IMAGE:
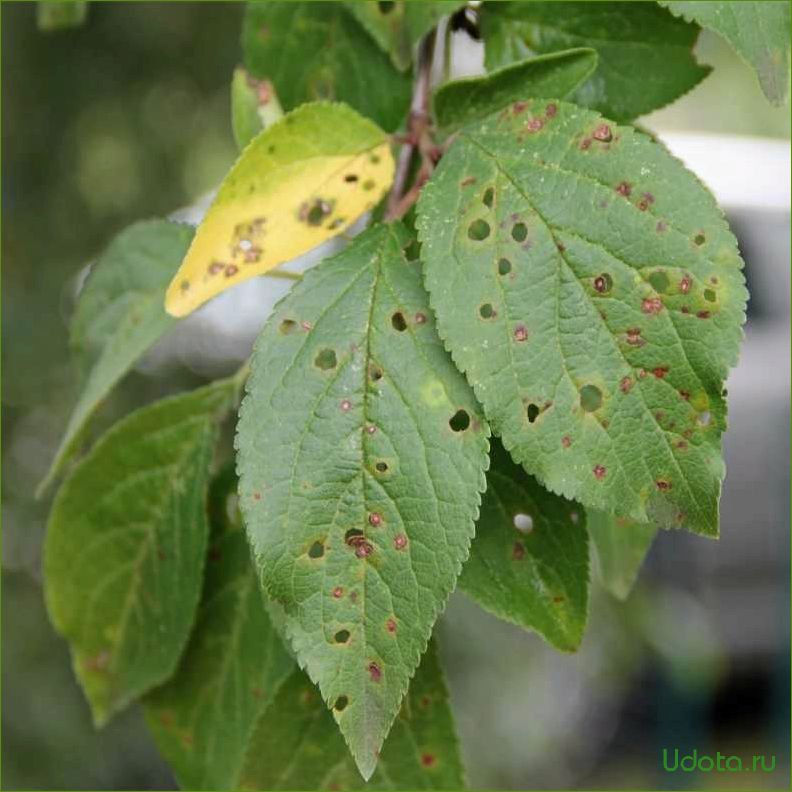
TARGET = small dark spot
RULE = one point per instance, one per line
(316, 550)
(519, 232)
(326, 360)
(381, 467)
(374, 159)
(428, 760)
(459, 421)
(390, 626)
(663, 485)
(532, 411)
(519, 107)
(703, 314)
(559, 599)
(685, 395)
(504, 266)
(287, 326)
(590, 398)
(699, 239)
(369, 184)
(551, 110)
(257, 496)
(660, 227)
(184, 285)
(478, 230)
(685, 309)
(486, 311)
(625, 385)
(534, 125)
(560, 246)
(599, 472)
(624, 188)
(602, 133)
(467, 181)
(341, 637)
(346, 405)
(400, 542)
(684, 285)
(231, 270)
(375, 672)
(350, 178)
(399, 322)
(314, 213)
(652, 305)
(488, 197)
(660, 371)
(338, 592)
(566, 441)
(518, 551)
(375, 519)
(375, 372)
(681, 445)
(340, 703)
(585, 144)
(215, 267)
(603, 283)
(646, 201)
(709, 295)
(520, 333)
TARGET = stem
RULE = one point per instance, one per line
(416, 123)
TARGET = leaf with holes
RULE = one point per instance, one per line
(307, 178)
(529, 562)
(758, 32)
(590, 289)
(123, 558)
(119, 315)
(398, 26)
(362, 455)
(203, 717)
(557, 75)
(621, 546)
(254, 106)
(645, 53)
(314, 51)
(296, 746)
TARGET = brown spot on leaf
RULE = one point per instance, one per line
(346, 405)
(703, 314)
(375, 672)
(428, 760)
(634, 337)
(660, 371)
(660, 227)
(338, 592)
(519, 107)
(652, 305)
(566, 441)
(375, 519)
(400, 542)
(624, 188)
(625, 384)
(390, 626)
(599, 472)
(663, 485)
(602, 133)
(215, 267)
(534, 125)
(518, 551)
(520, 333)
(467, 181)
(420, 318)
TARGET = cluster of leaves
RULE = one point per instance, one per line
(530, 359)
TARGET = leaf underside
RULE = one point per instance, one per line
(300, 182)
(118, 316)
(125, 546)
(529, 562)
(591, 291)
(313, 52)
(645, 53)
(361, 456)
(758, 31)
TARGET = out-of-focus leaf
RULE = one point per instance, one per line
(254, 106)
(60, 14)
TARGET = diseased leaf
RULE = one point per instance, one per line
(123, 557)
(119, 315)
(590, 289)
(60, 15)
(305, 179)
(296, 744)
(313, 51)
(645, 53)
(398, 26)
(529, 562)
(621, 546)
(361, 456)
(254, 106)
(556, 75)
(758, 31)
(203, 717)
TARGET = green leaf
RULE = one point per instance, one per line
(551, 76)
(398, 26)
(312, 51)
(302, 181)
(758, 32)
(296, 745)
(123, 557)
(621, 546)
(60, 15)
(645, 53)
(203, 717)
(254, 106)
(119, 315)
(590, 289)
(361, 456)
(529, 562)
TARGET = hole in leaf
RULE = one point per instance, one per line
(699, 239)
(523, 522)
(460, 421)
(532, 412)
(341, 637)
(504, 266)
(381, 467)
(413, 250)
(603, 283)
(704, 418)
(375, 372)
(287, 326)
(710, 295)
(519, 232)
(590, 398)
(352, 535)
(478, 230)
(341, 703)
(398, 321)
(489, 195)
(659, 282)
(316, 550)
(487, 311)
(326, 360)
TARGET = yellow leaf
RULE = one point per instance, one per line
(301, 181)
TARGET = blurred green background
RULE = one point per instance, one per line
(127, 118)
